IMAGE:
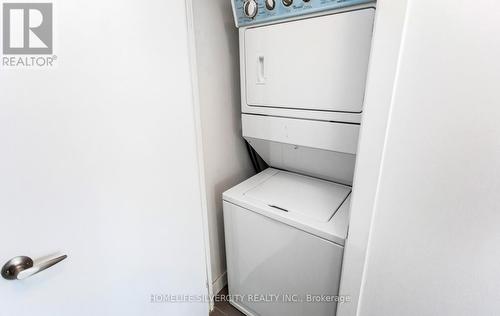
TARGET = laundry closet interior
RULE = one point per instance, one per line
(281, 99)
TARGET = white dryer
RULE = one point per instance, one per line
(304, 65)
(303, 75)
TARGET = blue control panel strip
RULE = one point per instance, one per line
(280, 11)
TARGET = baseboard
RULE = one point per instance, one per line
(240, 307)
(220, 283)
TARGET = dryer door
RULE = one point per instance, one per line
(318, 63)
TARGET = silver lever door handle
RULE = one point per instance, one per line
(20, 268)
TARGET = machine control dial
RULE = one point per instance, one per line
(270, 4)
(250, 8)
(287, 3)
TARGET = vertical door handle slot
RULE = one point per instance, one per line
(261, 70)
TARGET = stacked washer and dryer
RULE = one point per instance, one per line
(303, 74)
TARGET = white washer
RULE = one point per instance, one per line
(285, 237)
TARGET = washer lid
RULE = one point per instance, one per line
(312, 198)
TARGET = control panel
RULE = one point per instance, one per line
(249, 12)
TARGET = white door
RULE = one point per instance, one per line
(316, 64)
(98, 162)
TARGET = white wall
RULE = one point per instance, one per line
(225, 159)
(433, 245)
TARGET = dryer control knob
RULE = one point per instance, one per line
(270, 4)
(287, 3)
(250, 8)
